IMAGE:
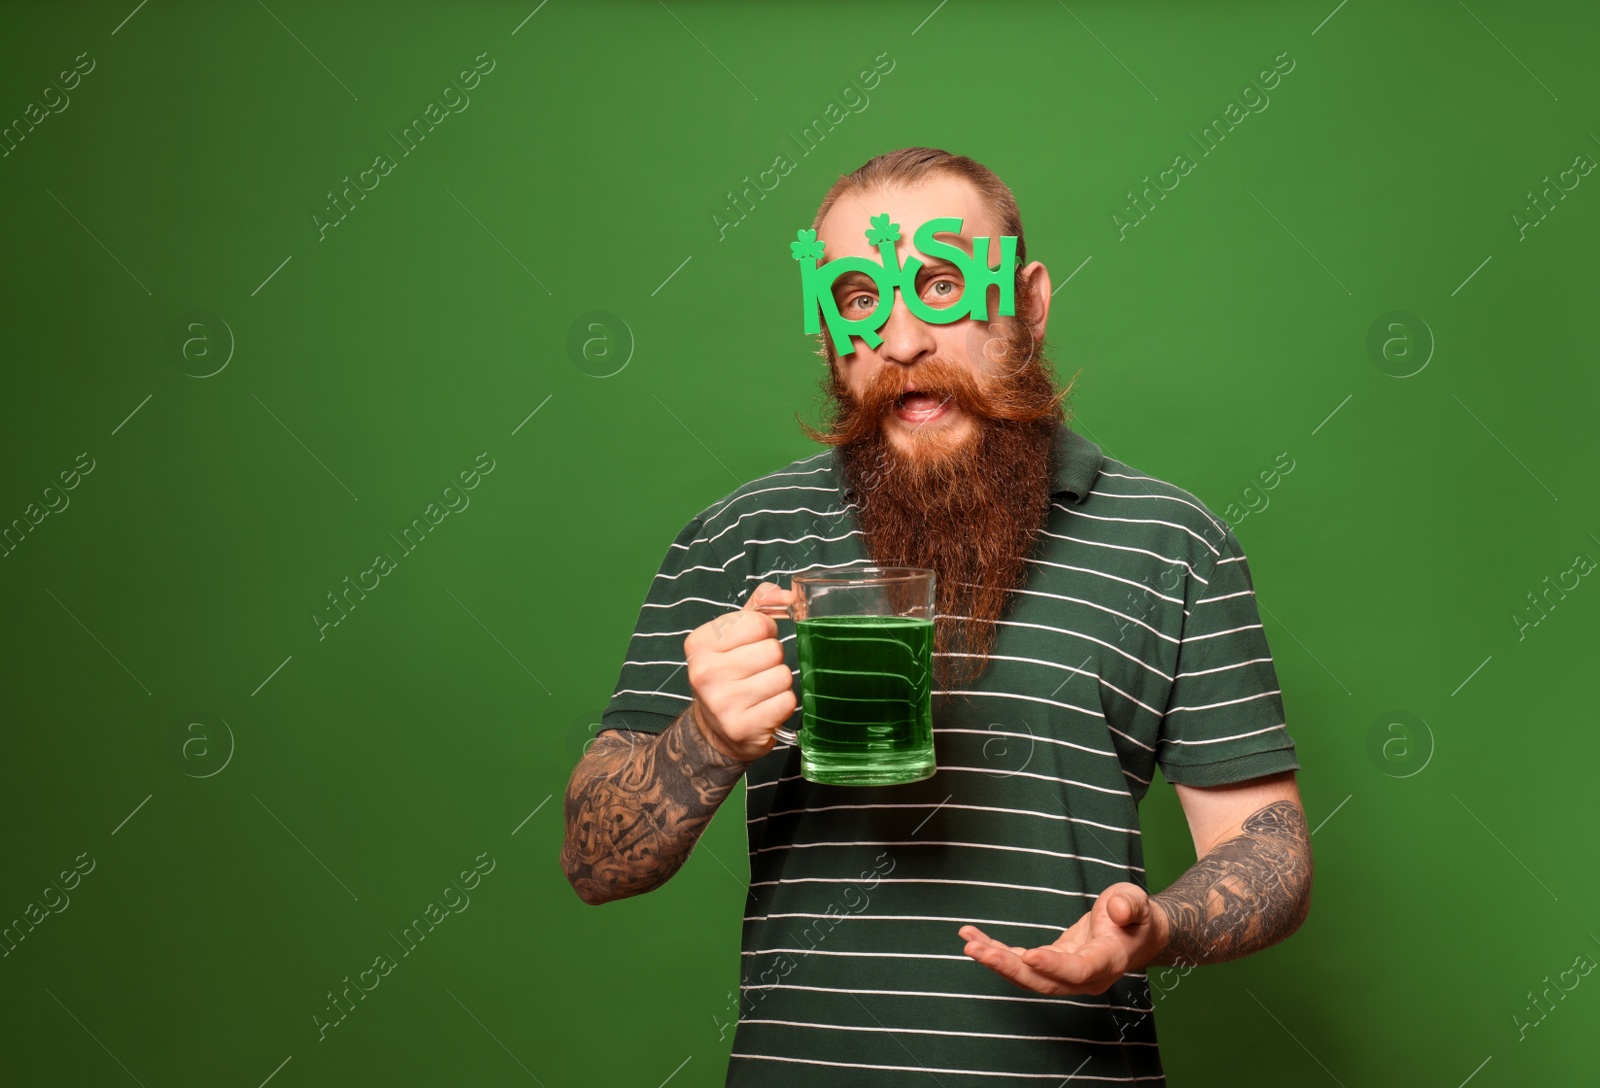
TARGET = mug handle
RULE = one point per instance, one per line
(781, 612)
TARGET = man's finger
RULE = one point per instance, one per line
(1006, 963)
(767, 593)
(973, 933)
(1126, 910)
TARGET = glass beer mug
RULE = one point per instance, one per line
(864, 637)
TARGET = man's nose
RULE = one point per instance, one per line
(907, 339)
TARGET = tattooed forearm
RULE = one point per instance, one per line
(635, 808)
(1245, 894)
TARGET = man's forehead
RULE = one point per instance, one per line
(844, 228)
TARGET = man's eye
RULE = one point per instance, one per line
(868, 303)
(944, 291)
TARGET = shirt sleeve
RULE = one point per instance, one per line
(692, 587)
(1224, 719)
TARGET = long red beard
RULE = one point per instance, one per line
(972, 514)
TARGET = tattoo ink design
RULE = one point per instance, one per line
(1244, 895)
(635, 807)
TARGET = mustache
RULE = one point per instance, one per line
(1017, 398)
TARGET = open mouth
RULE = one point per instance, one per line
(920, 407)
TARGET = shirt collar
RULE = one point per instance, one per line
(1077, 464)
(1076, 459)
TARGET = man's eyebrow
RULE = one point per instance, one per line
(929, 265)
(851, 279)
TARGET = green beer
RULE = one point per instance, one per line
(866, 699)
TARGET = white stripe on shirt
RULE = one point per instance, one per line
(1126, 548)
(924, 880)
(1074, 1075)
(1226, 702)
(1140, 521)
(939, 993)
(937, 1031)
(1220, 740)
(941, 804)
(1119, 866)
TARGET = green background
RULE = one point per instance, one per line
(438, 723)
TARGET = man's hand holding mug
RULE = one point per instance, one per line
(743, 689)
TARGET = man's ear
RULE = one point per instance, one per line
(1036, 281)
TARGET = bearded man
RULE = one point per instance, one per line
(1092, 623)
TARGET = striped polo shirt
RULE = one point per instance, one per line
(1135, 642)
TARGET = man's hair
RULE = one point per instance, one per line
(910, 165)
